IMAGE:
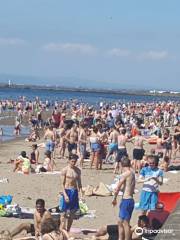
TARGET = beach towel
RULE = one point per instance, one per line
(25, 238)
(174, 168)
(169, 199)
(5, 199)
(158, 216)
(49, 173)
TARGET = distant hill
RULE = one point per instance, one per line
(74, 82)
(65, 82)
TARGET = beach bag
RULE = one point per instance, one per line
(102, 190)
(4, 213)
(83, 207)
(5, 199)
(88, 191)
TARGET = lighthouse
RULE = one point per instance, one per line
(9, 83)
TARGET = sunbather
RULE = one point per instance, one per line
(40, 215)
(50, 231)
(22, 163)
(48, 163)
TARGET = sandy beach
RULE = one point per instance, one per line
(26, 189)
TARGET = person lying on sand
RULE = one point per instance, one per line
(40, 215)
(112, 230)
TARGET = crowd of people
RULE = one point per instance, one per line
(78, 131)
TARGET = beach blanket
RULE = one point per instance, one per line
(50, 173)
(174, 168)
(4, 180)
(28, 213)
(82, 230)
(26, 238)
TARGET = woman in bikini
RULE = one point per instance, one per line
(95, 148)
(50, 231)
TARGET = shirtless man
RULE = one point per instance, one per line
(113, 145)
(127, 185)
(39, 216)
(138, 151)
(71, 184)
(176, 140)
(82, 138)
(49, 136)
(62, 143)
(159, 146)
(122, 151)
(72, 139)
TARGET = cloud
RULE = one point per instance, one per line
(12, 42)
(148, 55)
(85, 49)
(154, 55)
(119, 52)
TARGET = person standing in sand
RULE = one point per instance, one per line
(71, 184)
(82, 138)
(122, 151)
(138, 151)
(17, 127)
(127, 185)
(95, 146)
(49, 136)
(113, 142)
(151, 177)
(72, 139)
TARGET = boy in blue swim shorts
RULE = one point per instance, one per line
(126, 185)
(152, 177)
(71, 185)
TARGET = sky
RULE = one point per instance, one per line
(92, 43)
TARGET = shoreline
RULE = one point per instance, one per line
(124, 92)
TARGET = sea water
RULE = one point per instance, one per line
(8, 132)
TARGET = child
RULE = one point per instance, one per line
(144, 161)
(165, 164)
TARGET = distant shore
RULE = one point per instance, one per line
(93, 90)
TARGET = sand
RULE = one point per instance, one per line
(26, 189)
